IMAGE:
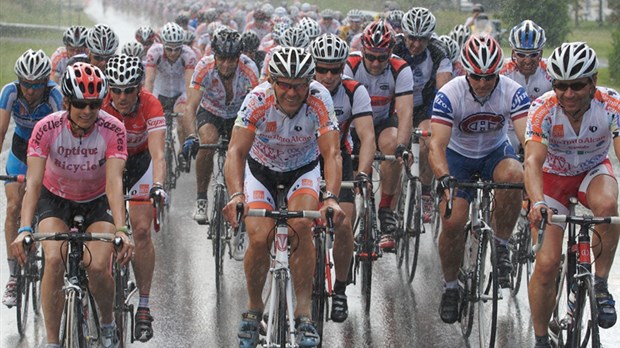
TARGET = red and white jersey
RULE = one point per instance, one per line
(170, 79)
(570, 153)
(59, 59)
(396, 80)
(351, 100)
(478, 127)
(207, 79)
(148, 117)
(75, 166)
(536, 85)
(285, 143)
(262, 29)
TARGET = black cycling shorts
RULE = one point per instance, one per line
(50, 205)
(224, 126)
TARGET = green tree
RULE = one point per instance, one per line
(552, 15)
(614, 56)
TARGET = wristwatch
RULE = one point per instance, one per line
(328, 195)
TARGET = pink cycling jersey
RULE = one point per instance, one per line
(75, 166)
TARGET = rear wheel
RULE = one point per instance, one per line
(319, 293)
(488, 291)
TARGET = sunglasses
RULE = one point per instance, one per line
(100, 58)
(575, 86)
(173, 49)
(298, 87)
(28, 85)
(528, 55)
(126, 90)
(381, 58)
(477, 77)
(81, 104)
(334, 71)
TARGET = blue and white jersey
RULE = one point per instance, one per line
(25, 118)
(479, 128)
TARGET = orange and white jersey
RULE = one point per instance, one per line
(284, 143)
(570, 153)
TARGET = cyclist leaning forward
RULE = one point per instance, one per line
(389, 82)
(28, 99)
(219, 84)
(569, 132)
(469, 127)
(352, 106)
(284, 125)
(75, 166)
(145, 170)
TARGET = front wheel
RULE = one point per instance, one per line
(22, 298)
(584, 331)
(488, 291)
(319, 293)
(468, 282)
(218, 227)
(520, 245)
(414, 228)
(435, 215)
(72, 330)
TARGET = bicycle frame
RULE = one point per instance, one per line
(170, 155)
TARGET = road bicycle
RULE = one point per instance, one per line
(522, 255)
(575, 316)
(478, 275)
(173, 170)
(410, 208)
(280, 320)
(28, 277)
(80, 326)
(219, 229)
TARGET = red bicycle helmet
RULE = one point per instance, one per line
(378, 35)
(482, 55)
(84, 81)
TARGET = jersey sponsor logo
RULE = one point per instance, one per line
(384, 87)
(75, 167)
(306, 182)
(558, 130)
(76, 151)
(258, 195)
(144, 188)
(271, 126)
(442, 103)
(46, 127)
(281, 242)
(380, 101)
(593, 129)
(156, 122)
(520, 98)
(482, 123)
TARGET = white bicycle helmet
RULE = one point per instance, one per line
(395, 18)
(571, 61)
(355, 15)
(172, 34)
(329, 48)
(312, 27)
(452, 47)
(295, 37)
(146, 35)
(278, 30)
(75, 36)
(102, 40)
(133, 49)
(123, 70)
(460, 34)
(33, 65)
(482, 55)
(419, 22)
(291, 63)
(527, 36)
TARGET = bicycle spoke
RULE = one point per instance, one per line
(488, 290)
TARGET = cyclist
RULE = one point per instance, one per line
(27, 100)
(526, 65)
(431, 69)
(260, 23)
(219, 85)
(282, 127)
(291, 37)
(133, 49)
(328, 24)
(249, 43)
(102, 43)
(354, 21)
(569, 133)
(146, 36)
(74, 41)
(61, 184)
(453, 54)
(145, 170)
(389, 82)
(460, 34)
(311, 26)
(469, 137)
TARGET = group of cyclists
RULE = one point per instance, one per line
(297, 93)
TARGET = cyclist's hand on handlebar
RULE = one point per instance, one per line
(230, 211)
(535, 215)
(443, 185)
(18, 249)
(126, 252)
(400, 149)
(361, 176)
(338, 216)
(158, 194)
(190, 146)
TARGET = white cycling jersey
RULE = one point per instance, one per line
(207, 79)
(396, 80)
(284, 143)
(351, 100)
(422, 73)
(570, 153)
(170, 79)
(479, 128)
(536, 85)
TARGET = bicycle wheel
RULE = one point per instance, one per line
(488, 291)
(122, 311)
(435, 216)
(36, 270)
(90, 320)
(22, 298)
(468, 282)
(169, 157)
(218, 233)
(280, 322)
(319, 293)
(366, 258)
(584, 329)
(414, 227)
(557, 322)
(520, 246)
(72, 330)
(402, 242)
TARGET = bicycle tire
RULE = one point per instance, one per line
(72, 336)
(468, 282)
(518, 244)
(401, 240)
(488, 291)
(90, 320)
(319, 293)
(22, 298)
(561, 304)
(368, 248)
(218, 234)
(37, 274)
(435, 215)
(170, 171)
(121, 310)
(281, 322)
(585, 317)
(413, 234)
